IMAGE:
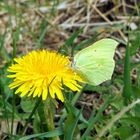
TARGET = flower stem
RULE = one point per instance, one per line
(48, 109)
(32, 113)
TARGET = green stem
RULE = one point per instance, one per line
(50, 117)
(127, 90)
(4, 103)
(13, 113)
(42, 117)
(32, 113)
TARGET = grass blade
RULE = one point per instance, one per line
(94, 119)
(49, 134)
(70, 125)
(127, 90)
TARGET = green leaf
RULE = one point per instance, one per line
(136, 92)
(125, 132)
(2, 39)
(136, 110)
(36, 123)
(117, 102)
(70, 125)
(15, 36)
(70, 41)
(10, 9)
(49, 134)
(132, 120)
(73, 115)
(86, 42)
(127, 90)
(42, 117)
(73, 110)
(43, 30)
(27, 104)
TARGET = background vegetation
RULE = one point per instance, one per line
(109, 111)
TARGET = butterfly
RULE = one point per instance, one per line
(95, 64)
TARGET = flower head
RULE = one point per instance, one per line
(40, 73)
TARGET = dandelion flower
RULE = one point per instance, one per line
(40, 73)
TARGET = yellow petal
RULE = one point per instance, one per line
(44, 93)
(52, 92)
(59, 94)
(36, 92)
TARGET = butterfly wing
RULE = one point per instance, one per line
(95, 63)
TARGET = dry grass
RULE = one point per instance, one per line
(61, 20)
